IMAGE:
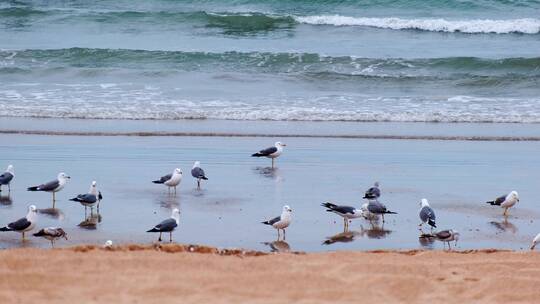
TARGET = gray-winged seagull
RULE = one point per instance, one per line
(24, 224)
(281, 222)
(426, 214)
(376, 207)
(167, 225)
(198, 173)
(505, 201)
(89, 199)
(346, 212)
(170, 180)
(272, 152)
(6, 177)
(52, 186)
(51, 234)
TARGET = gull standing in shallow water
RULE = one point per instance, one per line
(52, 186)
(446, 236)
(272, 152)
(167, 225)
(506, 201)
(376, 207)
(281, 222)
(373, 192)
(89, 199)
(51, 234)
(346, 212)
(535, 241)
(198, 173)
(24, 224)
(170, 180)
(6, 177)
(427, 215)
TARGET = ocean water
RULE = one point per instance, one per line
(400, 61)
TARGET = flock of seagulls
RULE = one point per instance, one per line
(371, 210)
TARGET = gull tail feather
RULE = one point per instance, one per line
(5, 229)
(266, 223)
(432, 223)
(204, 177)
(157, 182)
(35, 188)
(492, 203)
(153, 230)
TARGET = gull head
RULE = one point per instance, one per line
(424, 202)
(94, 183)
(62, 176)
(197, 164)
(514, 195)
(376, 184)
(286, 208)
(279, 144)
(108, 244)
(178, 171)
(10, 169)
(176, 215)
(455, 233)
(32, 208)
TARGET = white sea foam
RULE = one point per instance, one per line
(525, 25)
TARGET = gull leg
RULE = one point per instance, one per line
(170, 236)
(199, 184)
(52, 243)
(174, 190)
(85, 211)
(159, 239)
(505, 211)
(278, 235)
(284, 236)
(383, 217)
(272, 163)
(23, 235)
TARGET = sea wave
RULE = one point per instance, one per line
(521, 26)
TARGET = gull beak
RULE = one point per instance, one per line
(68, 177)
(283, 145)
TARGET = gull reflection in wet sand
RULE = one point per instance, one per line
(278, 246)
(375, 232)
(5, 200)
(426, 241)
(52, 212)
(90, 222)
(268, 172)
(505, 226)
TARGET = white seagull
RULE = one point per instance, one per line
(272, 152)
(446, 236)
(168, 225)
(426, 214)
(373, 192)
(51, 234)
(535, 241)
(52, 186)
(281, 222)
(198, 173)
(89, 199)
(506, 201)
(24, 224)
(346, 212)
(6, 177)
(171, 180)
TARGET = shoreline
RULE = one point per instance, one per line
(157, 273)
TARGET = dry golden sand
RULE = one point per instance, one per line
(155, 274)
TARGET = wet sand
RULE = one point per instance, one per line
(146, 274)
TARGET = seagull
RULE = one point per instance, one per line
(52, 186)
(376, 207)
(535, 241)
(447, 236)
(108, 244)
(506, 201)
(167, 225)
(281, 222)
(368, 215)
(6, 177)
(51, 234)
(171, 180)
(198, 173)
(272, 152)
(24, 224)
(346, 212)
(373, 192)
(89, 199)
(427, 215)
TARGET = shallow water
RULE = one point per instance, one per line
(456, 176)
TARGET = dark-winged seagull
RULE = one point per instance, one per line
(6, 177)
(52, 186)
(506, 201)
(167, 225)
(272, 152)
(368, 215)
(24, 224)
(281, 222)
(446, 236)
(535, 241)
(89, 199)
(376, 207)
(51, 234)
(373, 192)
(427, 215)
(198, 173)
(346, 212)
(170, 180)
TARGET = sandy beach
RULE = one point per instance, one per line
(148, 274)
